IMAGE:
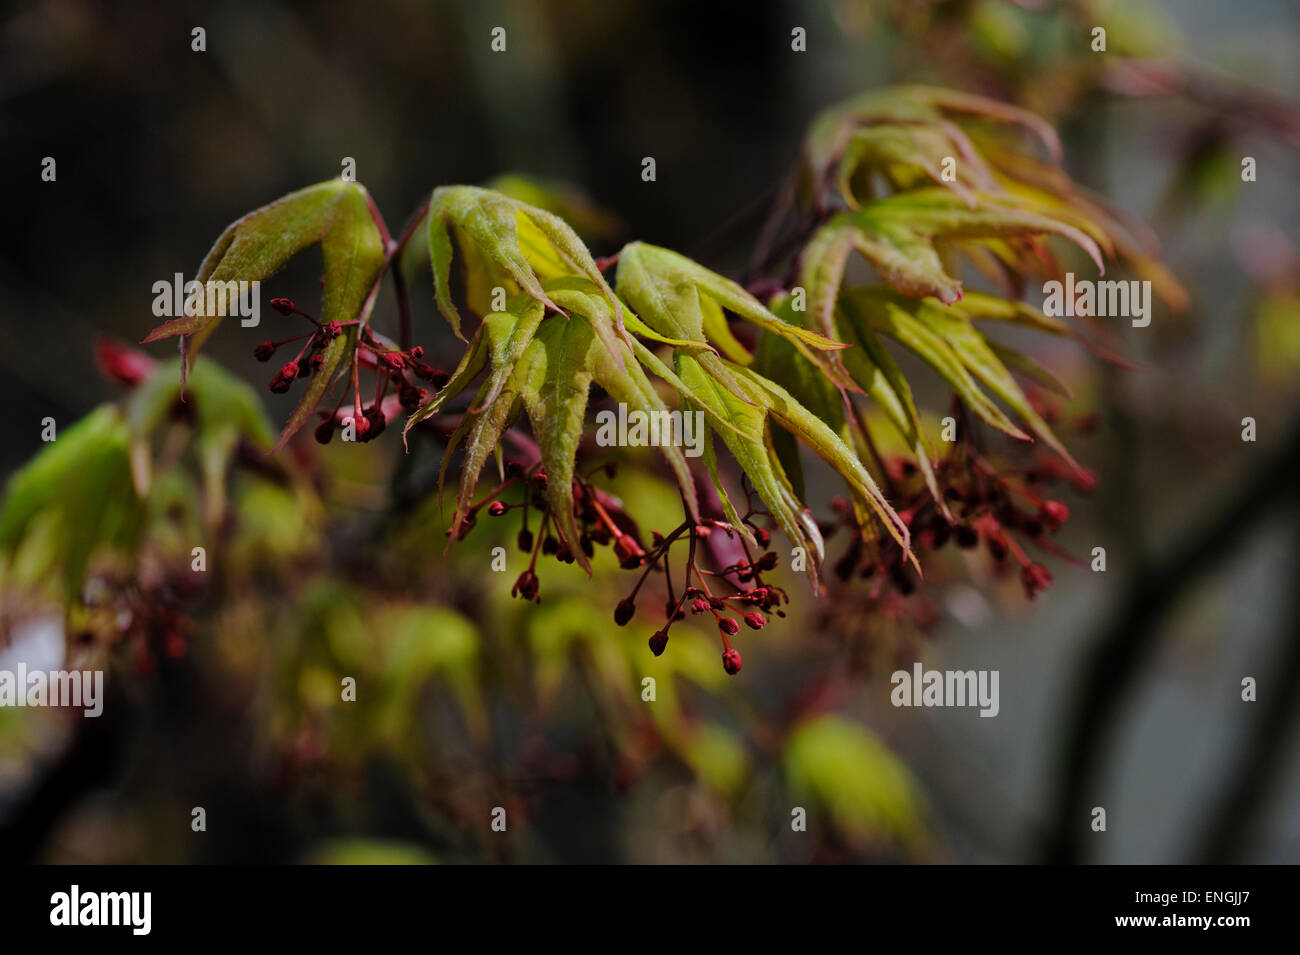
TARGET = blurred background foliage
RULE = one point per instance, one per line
(326, 563)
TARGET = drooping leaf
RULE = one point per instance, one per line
(522, 244)
(976, 354)
(683, 300)
(78, 497)
(979, 307)
(627, 381)
(810, 429)
(777, 360)
(335, 214)
(755, 457)
(471, 363)
(1021, 363)
(898, 237)
(946, 339)
(822, 266)
(227, 411)
(558, 369)
(710, 456)
(833, 129)
(907, 154)
(769, 404)
(876, 371)
(545, 366)
(877, 311)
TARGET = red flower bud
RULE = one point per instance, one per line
(377, 422)
(124, 365)
(284, 378)
(1035, 577)
(417, 352)
(393, 360)
(497, 508)
(628, 552)
(755, 620)
(767, 561)
(525, 540)
(526, 586)
(699, 606)
(325, 431)
(284, 306)
(624, 611)
(1054, 514)
(658, 641)
(731, 661)
(411, 398)
(1085, 481)
(264, 351)
(435, 376)
(728, 626)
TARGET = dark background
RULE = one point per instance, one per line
(159, 147)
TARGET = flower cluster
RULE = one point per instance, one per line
(400, 374)
(601, 519)
(735, 592)
(738, 584)
(1000, 508)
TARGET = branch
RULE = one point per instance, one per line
(1262, 762)
(1129, 640)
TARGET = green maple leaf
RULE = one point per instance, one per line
(72, 500)
(503, 242)
(226, 412)
(909, 154)
(924, 107)
(748, 434)
(337, 215)
(899, 237)
(685, 304)
(543, 366)
(908, 135)
(945, 338)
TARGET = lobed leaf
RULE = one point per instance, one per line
(522, 243)
(336, 214)
(946, 339)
